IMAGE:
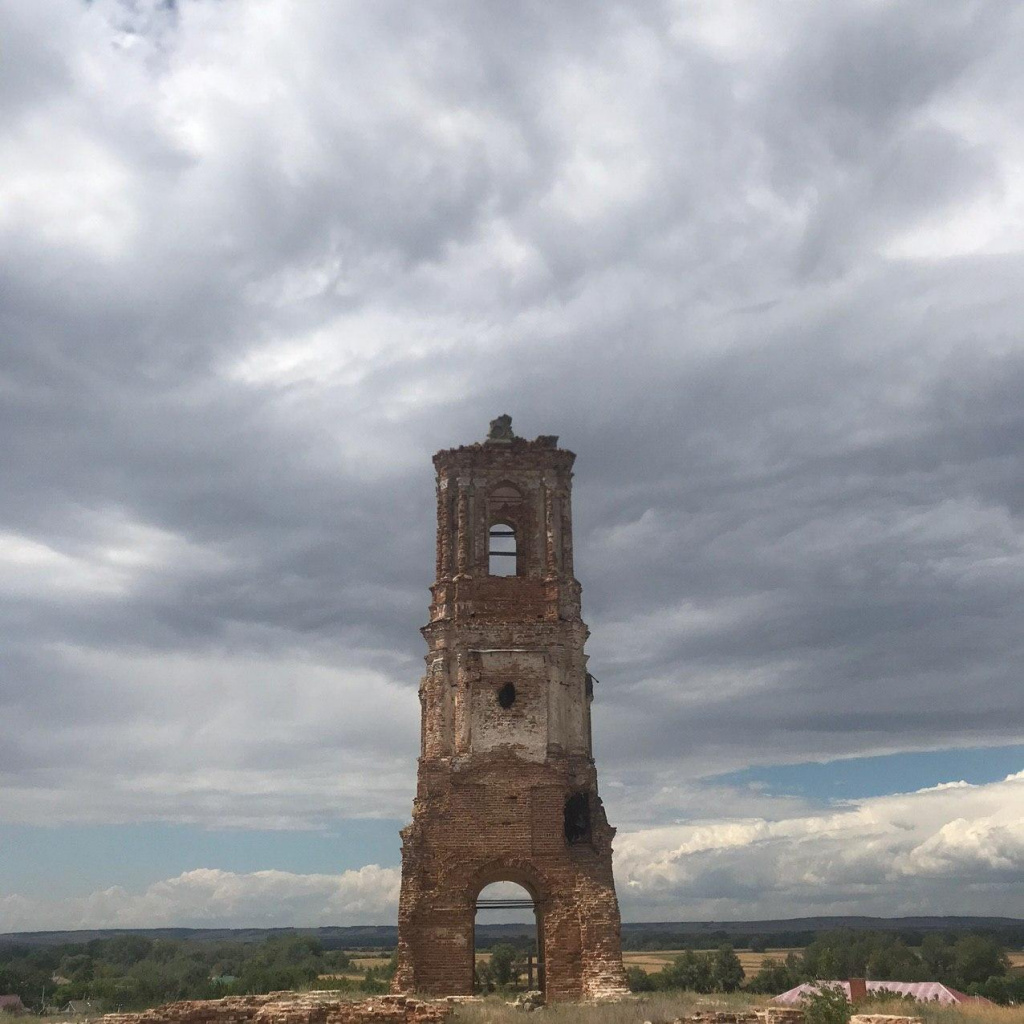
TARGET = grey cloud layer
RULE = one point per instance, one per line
(758, 265)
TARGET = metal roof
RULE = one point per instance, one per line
(922, 991)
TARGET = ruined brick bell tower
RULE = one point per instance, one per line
(507, 789)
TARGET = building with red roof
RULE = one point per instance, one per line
(857, 989)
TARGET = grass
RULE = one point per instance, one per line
(657, 1007)
(932, 1013)
(662, 1007)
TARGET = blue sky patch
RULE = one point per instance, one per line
(71, 860)
(861, 777)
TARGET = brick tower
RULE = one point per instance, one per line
(506, 788)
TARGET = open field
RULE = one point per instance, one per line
(359, 963)
(363, 960)
(655, 959)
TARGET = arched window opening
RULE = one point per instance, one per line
(503, 560)
(577, 818)
(508, 945)
(507, 695)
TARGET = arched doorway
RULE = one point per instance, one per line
(508, 938)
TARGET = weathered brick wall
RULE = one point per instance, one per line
(494, 779)
(289, 1008)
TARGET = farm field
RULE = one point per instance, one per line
(360, 961)
(652, 960)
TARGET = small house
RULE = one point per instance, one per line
(857, 989)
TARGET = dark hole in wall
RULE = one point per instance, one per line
(577, 818)
(507, 696)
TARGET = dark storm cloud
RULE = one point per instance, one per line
(758, 265)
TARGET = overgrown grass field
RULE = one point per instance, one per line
(656, 1007)
(661, 1008)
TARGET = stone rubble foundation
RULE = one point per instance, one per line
(883, 1018)
(328, 1008)
(289, 1008)
(782, 1015)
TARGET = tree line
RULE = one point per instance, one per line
(973, 963)
(133, 972)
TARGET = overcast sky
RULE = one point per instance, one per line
(759, 264)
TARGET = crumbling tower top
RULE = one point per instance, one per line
(502, 448)
(504, 538)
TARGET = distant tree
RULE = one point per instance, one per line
(503, 959)
(891, 960)
(758, 944)
(976, 958)
(829, 964)
(828, 1005)
(373, 983)
(690, 971)
(937, 958)
(773, 977)
(639, 980)
(1006, 989)
(726, 969)
(337, 960)
(76, 967)
(125, 949)
(483, 979)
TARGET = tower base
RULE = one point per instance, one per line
(494, 824)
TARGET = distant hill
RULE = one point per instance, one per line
(797, 931)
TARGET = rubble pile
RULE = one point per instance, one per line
(771, 1015)
(781, 1015)
(720, 1017)
(289, 1008)
(883, 1018)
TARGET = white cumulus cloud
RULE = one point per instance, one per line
(212, 898)
(889, 855)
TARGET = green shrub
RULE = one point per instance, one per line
(639, 980)
(828, 1005)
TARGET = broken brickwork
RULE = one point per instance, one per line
(288, 1008)
(507, 789)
